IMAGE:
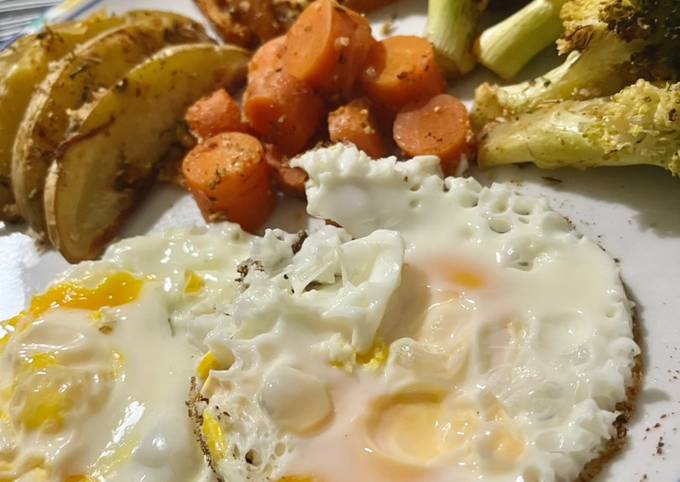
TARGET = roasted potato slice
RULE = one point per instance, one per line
(18, 85)
(75, 81)
(106, 167)
(13, 53)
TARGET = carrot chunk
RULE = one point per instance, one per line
(356, 123)
(267, 59)
(400, 70)
(229, 178)
(327, 46)
(213, 114)
(283, 110)
(439, 126)
(288, 180)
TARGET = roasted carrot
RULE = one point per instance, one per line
(327, 46)
(400, 70)
(439, 126)
(283, 110)
(357, 123)
(353, 57)
(288, 180)
(214, 114)
(229, 179)
(267, 59)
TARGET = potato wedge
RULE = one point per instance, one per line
(103, 170)
(74, 82)
(13, 53)
(18, 85)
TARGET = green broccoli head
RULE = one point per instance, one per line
(643, 19)
(639, 125)
(611, 43)
(650, 20)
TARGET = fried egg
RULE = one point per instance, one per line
(95, 373)
(448, 331)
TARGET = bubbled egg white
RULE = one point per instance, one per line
(449, 332)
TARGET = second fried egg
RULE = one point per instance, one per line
(452, 332)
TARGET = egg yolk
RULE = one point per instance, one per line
(418, 429)
(193, 283)
(459, 275)
(375, 357)
(46, 403)
(45, 391)
(467, 279)
(115, 290)
(214, 436)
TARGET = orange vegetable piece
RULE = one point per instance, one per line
(213, 114)
(356, 123)
(439, 126)
(400, 70)
(288, 180)
(267, 59)
(283, 110)
(229, 178)
(327, 46)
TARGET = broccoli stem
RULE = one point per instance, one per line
(451, 28)
(508, 46)
(599, 70)
(638, 125)
(550, 138)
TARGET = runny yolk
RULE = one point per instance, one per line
(116, 289)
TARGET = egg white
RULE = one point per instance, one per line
(446, 332)
(499, 352)
(99, 393)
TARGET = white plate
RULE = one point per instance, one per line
(633, 213)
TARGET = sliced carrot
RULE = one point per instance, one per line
(365, 6)
(353, 57)
(283, 110)
(439, 126)
(213, 114)
(230, 179)
(288, 180)
(327, 46)
(267, 59)
(357, 123)
(400, 70)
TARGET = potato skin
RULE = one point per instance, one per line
(101, 172)
(59, 101)
(29, 60)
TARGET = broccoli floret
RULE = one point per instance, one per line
(509, 45)
(639, 125)
(452, 28)
(611, 43)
